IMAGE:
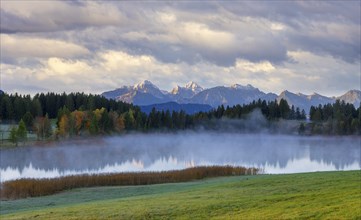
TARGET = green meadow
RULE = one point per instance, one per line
(319, 195)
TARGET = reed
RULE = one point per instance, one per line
(23, 188)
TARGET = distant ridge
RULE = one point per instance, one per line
(146, 93)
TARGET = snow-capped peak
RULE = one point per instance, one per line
(145, 84)
(238, 86)
(194, 87)
(176, 90)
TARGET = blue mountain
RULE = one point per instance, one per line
(146, 93)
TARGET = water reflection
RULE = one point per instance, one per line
(273, 153)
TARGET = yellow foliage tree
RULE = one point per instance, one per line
(120, 124)
(63, 125)
(79, 119)
(98, 113)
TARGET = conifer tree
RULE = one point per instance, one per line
(22, 132)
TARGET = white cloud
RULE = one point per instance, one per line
(320, 73)
(264, 66)
(201, 35)
(21, 46)
(111, 69)
(133, 68)
(66, 67)
(167, 17)
(119, 60)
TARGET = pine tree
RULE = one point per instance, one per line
(303, 114)
(301, 129)
(14, 136)
(36, 109)
(284, 109)
(93, 128)
(47, 127)
(29, 120)
(6, 110)
(22, 132)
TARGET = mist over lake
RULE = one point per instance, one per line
(159, 152)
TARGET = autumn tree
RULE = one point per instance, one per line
(63, 125)
(120, 124)
(79, 118)
(43, 127)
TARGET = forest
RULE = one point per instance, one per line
(64, 115)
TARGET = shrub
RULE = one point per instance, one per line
(23, 188)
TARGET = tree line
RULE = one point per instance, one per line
(79, 114)
(15, 106)
(38, 112)
(271, 110)
(337, 118)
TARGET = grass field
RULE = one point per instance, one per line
(322, 195)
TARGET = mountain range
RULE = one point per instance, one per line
(146, 93)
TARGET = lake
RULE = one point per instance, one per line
(158, 152)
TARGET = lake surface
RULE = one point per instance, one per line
(156, 152)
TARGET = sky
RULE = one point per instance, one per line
(97, 46)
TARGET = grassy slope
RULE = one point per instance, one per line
(312, 195)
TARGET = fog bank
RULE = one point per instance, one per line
(154, 152)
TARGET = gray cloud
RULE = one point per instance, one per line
(309, 24)
(197, 40)
(253, 40)
(45, 16)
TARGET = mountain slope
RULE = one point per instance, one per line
(304, 101)
(113, 94)
(236, 94)
(352, 97)
(143, 93)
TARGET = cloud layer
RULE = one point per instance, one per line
(97, 46)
